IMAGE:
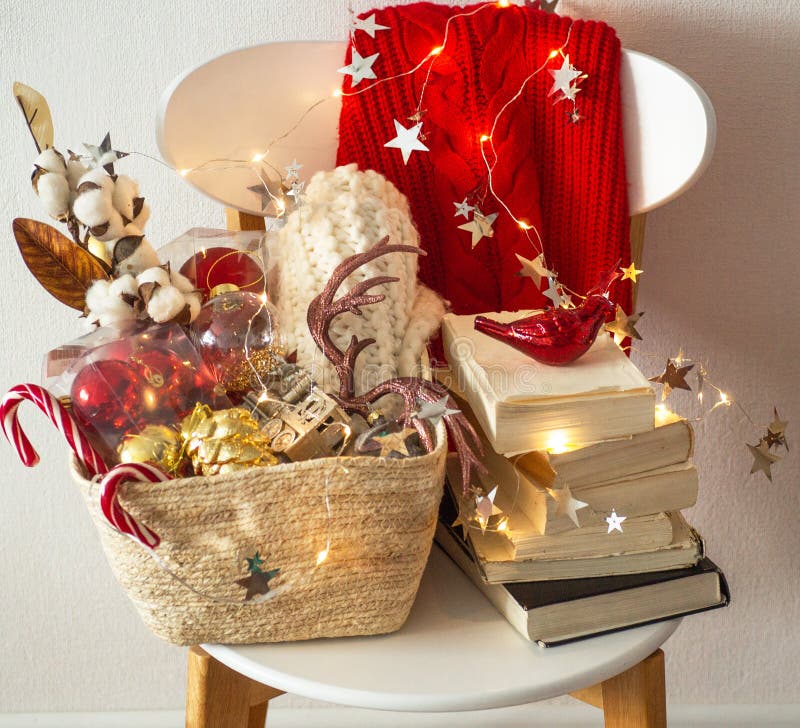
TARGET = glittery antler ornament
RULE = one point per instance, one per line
(414, 390)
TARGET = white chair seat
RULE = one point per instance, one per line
(456, 652)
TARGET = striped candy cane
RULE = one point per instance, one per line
(115, 514)
(58, 415)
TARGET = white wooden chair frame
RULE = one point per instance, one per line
(224, 109)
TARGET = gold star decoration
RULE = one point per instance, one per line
(776, 431)
(534, 269)
(567, 504)
(391, 442)
(480, 226)
(763, 459)
(624, 326)
(630, 273)
(673, 377)
(464, 523)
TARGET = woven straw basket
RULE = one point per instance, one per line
(380, 529)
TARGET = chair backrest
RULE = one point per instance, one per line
(234, 106)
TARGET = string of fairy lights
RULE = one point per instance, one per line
(484, 514)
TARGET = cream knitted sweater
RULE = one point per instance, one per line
(344, 212)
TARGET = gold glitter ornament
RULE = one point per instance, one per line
(157, 444)
(224, 441)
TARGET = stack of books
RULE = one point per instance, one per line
(567, 447)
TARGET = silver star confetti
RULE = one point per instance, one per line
(293, 169)
(552, 292)
(574, 116)
(563, 78)
(485, 508)
(407, 140)
(104, 156)
(567, 504)
(368, 25)
(464, 209)
(297, 192)
(270, 191)
(434, 411)
(359, 67)
(615, 522)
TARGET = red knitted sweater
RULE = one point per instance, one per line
(566, 178)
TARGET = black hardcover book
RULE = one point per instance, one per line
(559, 611)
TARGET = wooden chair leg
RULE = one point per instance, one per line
(258, 716)
(218, 697)
(635, 698)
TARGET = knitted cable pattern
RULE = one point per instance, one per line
(567, 179)
(346, 212)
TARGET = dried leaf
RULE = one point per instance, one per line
(37, 115)
(65, 270)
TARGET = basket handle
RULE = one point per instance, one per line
(115, 514)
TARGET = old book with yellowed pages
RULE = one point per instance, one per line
(520, 403)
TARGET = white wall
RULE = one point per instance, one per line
(720, 267)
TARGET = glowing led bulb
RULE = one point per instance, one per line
(524, 225)
(485, 137)
(184, 172)
(337, 92)
(436, 51)
(662, 414)
(557, 442)
(321, 556)
(504, 3)
(553, 54)
(257, 157)
(503, 525)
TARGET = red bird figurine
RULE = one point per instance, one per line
(557, 336)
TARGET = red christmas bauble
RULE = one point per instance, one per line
(170, 385)
(217, 266)
(107, 397)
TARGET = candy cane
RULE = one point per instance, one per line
(59, 416)
(115, 514)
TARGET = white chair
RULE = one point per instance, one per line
(456, 652)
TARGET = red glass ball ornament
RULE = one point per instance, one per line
(107, 397)
(170, 385)
(555, 337)
(236, 334)
(213, 267)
